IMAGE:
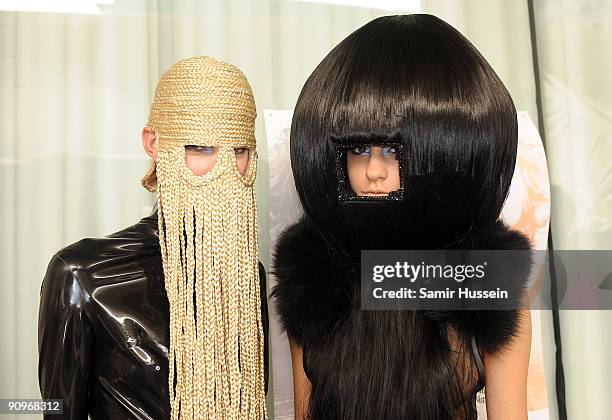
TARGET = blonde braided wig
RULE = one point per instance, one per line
(208, 241)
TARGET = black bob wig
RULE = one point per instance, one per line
(416, 81)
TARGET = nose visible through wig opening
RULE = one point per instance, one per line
(369, 172)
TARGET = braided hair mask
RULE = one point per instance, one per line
(208, 241)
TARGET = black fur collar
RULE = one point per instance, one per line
(317, 286)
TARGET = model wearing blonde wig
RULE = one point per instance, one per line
(208, 241)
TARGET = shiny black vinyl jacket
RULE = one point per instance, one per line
(103, 329)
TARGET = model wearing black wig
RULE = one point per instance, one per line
(414, 82)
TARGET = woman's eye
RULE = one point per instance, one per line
(389, 150)
(207, 150)
(360, 150)
(241, 150)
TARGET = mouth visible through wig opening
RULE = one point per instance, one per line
(369, 172)
(202, 159)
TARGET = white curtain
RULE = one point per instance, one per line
(75, 92)
(574, 40)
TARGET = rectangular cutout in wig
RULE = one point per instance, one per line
(345, 190)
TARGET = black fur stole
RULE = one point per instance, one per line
(385, 364)
(316, 285)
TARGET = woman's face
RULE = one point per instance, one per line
(201, 159)
(373, 171)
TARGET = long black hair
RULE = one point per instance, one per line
(416, 80)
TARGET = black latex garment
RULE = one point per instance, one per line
(103, 332)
